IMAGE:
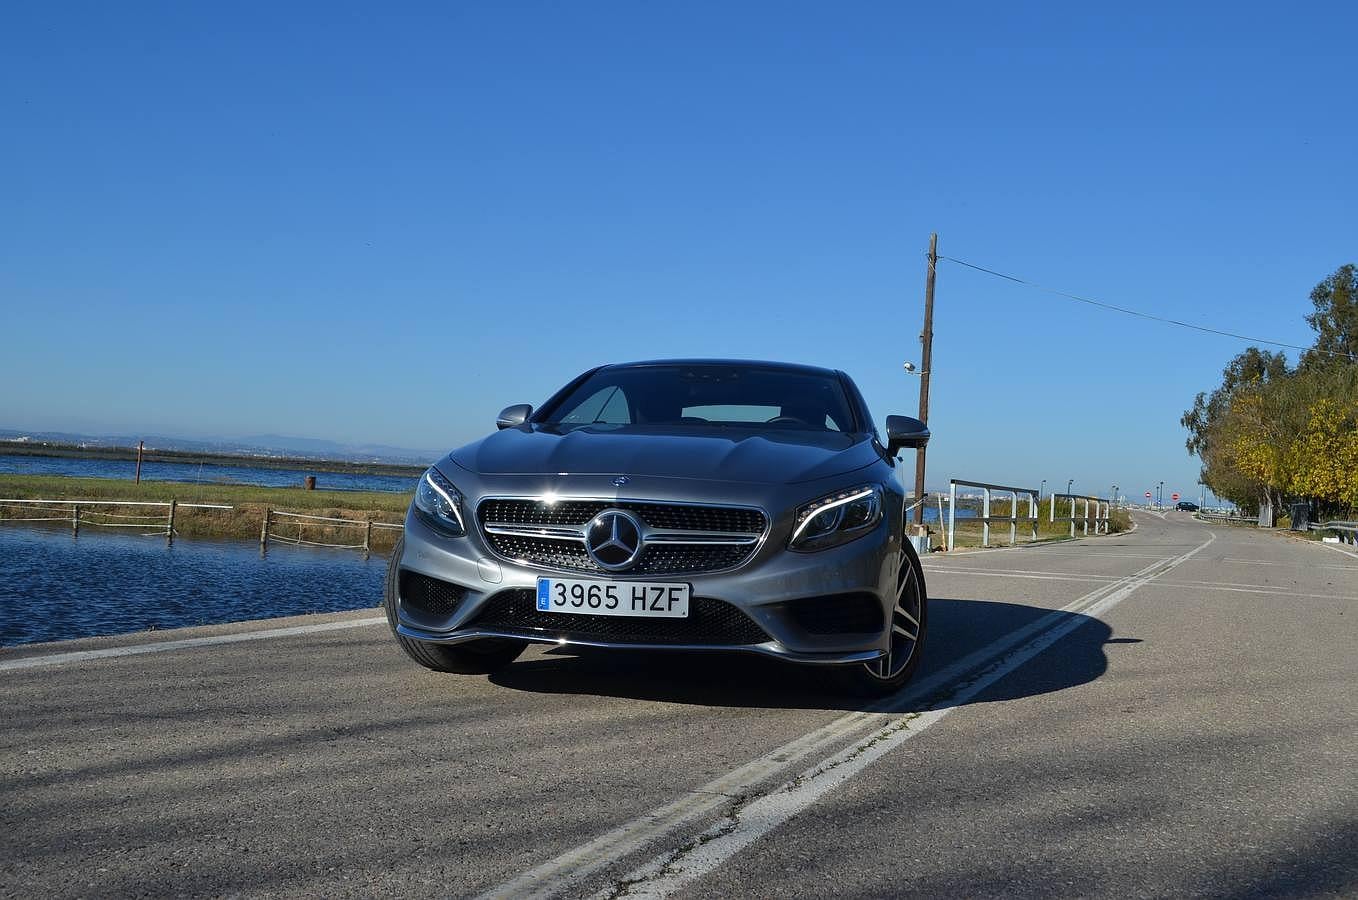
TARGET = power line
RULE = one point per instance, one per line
(1141, 315)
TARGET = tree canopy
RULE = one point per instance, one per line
(1270, 432)
(1335, 320)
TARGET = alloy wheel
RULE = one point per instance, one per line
(905, 624)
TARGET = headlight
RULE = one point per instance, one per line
(440, 502)
(836, 519)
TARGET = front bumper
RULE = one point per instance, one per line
(826, 607)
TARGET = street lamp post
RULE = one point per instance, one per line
(1160, 496)
(1041, 488)
(1113, 498)
(1068, 484)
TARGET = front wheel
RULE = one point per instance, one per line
(472, 658)
(909, 621)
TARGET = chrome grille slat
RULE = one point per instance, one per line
(559, 533)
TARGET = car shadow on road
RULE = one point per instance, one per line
(958, 628)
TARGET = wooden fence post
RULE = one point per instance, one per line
(75, 518)
(264, 533)
(368, 538)
(169, 525)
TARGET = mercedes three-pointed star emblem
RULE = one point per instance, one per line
(613, 539)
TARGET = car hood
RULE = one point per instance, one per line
(712, 454)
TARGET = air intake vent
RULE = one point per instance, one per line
(429, 595)
(857, 613)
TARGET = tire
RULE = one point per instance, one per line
(473, 658)
(889, 674)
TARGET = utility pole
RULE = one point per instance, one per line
(926, 365)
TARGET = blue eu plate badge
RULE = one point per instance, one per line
(544, 594)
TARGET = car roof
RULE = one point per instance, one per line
(750, 363)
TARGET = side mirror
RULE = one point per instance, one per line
(904, 432)
(513, 416)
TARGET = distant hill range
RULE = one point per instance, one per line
(271, 448)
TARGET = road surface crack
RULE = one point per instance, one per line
(730, 821)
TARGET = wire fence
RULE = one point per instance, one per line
(97, 513)
(283, 527)
(158, 518)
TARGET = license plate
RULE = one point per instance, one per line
(613, 598)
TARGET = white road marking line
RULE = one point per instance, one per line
(1063, 551)
(1205, 585)
(57, 659)
(1016, 573)
(1245, 589)
(1295, 565)
(1063, 554)
(1338, 548)
(669, 872)
(570, 868)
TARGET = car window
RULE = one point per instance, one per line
(756, 414)
(714, 413)
(707, 394)
(607, 406)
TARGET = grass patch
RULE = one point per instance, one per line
(243, 522)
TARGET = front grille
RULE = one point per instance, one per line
(686, 559)
(429, 595)
(557, 554)
(657, 559)
(656, 515)
(709, 622)
(569, 554)
(858, 613)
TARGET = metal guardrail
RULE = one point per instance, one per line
(1100, 519)
(1227, 518)
(1347, 532)
(97, 519)
(985, 518)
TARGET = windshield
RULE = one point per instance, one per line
(712, 395)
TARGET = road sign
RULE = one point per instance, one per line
(1148, 495)
(1174, 496)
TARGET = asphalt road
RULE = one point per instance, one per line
(1165, 713)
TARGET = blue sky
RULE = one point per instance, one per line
(382, 224)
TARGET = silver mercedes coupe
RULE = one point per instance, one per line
(697, 505)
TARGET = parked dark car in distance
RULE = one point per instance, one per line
(1186, 506)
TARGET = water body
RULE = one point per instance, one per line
(193, 473)
(54, 586)
(204, 473)
(931, 514)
